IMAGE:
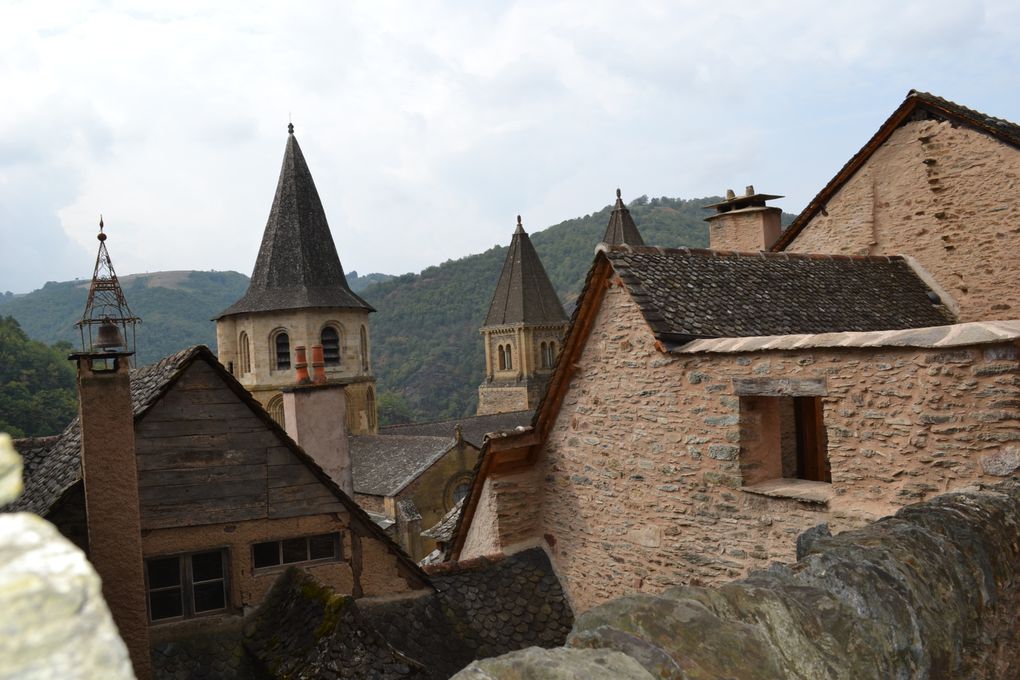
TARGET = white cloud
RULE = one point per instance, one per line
(428, 127)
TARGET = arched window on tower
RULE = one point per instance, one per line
(330, 339)
(502, 358)
(371, 408)
(275, 409)
(552, 354)
(244, 349)
(281, 351)
(544, 354)
(364, 349)
(509, 358)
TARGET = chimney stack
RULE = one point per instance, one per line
(109, 469)
(316, 416)
(744, 223)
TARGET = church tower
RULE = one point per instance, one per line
(523, 332)
(299, 297)
(621, 229)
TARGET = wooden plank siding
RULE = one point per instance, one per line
(204, 457)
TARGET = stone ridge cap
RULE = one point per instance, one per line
(620, 250)
(473, 564)
(933, 337)
(386, 429)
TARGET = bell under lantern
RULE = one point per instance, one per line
(107, 325)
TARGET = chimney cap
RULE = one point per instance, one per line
(748, 200)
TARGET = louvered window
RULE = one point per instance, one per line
(330, 346)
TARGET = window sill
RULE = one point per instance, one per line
(796, 489)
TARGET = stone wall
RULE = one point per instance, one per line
(929, 593)
(943, 195)
(640, 482)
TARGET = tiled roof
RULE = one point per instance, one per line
(297, 265)
(303, 630)
(382, 465)
(928, 105)
(473, 428)
(482, 608)
(524, 293)
(53, 464)
(688, 293)
(621, 228)
(443, 530)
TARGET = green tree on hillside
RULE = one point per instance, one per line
(37, 384)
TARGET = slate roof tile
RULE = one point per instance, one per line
(524, 294)
(473, 428)
(383, 465)
(689, 293)
(297, 264)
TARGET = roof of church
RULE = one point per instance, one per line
(621, 228)
(382, 465)
(297, 265)
(524, 293)
(915, 103)
(687, 293)
(473, 428)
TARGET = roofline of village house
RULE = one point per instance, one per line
(914, 100)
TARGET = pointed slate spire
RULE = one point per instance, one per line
(621, 228)
(524, 293)
(297, 265)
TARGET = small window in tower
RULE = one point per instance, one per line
(364, 349)
(371, 408)
(281, 344)
(552, 354)
(330, 346)
(275, 409)
(509, 358)
(502, 358)
(245, 351)
(543, 354)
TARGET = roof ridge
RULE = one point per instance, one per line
(453, 420)
(763, 254)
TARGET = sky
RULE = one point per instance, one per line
(428, 126)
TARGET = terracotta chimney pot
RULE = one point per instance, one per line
(301, 364)
(318, 365)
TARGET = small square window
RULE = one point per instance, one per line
(783, 438)
(266, 554)
(322, 547)
(185, 585)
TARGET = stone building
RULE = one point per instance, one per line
(298, 296)
(522, 333)
(709, 406)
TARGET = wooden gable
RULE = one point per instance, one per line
(205, 456)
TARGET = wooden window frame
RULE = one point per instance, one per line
(187, 585)
(338, 552)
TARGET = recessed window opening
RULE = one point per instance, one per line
(330, 339)
(502, 358)
(509, 358)
(275, 409)
(186, 585)
(296, 550)
(281, 347)
(783, 437)
(364, 349)
(245, 350)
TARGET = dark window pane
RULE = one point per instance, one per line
(267, 554)
(209, 596)
(282, 351)
(295, 550)
(322, 547)
(165, 604)
(164, 572)
(207, 566)
(330, 346)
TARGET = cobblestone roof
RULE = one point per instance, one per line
(473, 428)
(621, 228)
(297, 264)
(930, 105)
(53, 464)
(689, 293)
(524, 293)
(382, 465)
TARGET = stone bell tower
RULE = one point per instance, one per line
(299, 297)
(523, 332)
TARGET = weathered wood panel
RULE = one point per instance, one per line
(205, 457)
(202, 475)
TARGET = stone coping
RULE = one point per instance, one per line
(955, 335)
(797, 489)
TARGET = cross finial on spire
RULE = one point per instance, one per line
(290, 128)
(618, 193)
(101, 236)
(518, 220)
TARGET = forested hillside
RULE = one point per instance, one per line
(175, 308)
(37, 390)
